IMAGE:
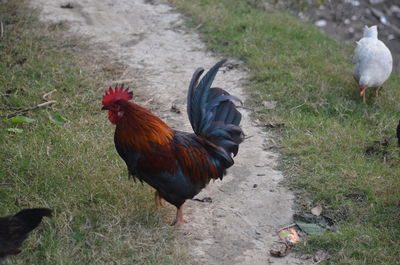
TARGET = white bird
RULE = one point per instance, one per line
(372, 60)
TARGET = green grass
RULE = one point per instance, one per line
(99, 216)
(327, 127)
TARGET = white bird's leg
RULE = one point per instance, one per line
(377, 91)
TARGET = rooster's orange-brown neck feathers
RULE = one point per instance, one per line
(139, 128)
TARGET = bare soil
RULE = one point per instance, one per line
(160, 54)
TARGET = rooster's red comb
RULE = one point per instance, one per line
(116, 93)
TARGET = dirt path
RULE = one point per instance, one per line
(249, 205)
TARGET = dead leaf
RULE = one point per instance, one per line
(205, 199)
(317, 210)
(273, 124)
(175, 109)
(230, 66)
(290, 235)
(280, 249)
(321, 255)
(270, 104)
(68, 5)
(311, 224)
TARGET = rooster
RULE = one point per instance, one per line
(15, 228)
(178, 164)
(372, 61)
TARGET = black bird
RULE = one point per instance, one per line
(14, 229)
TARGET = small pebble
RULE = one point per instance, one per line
(395, 9)
(375, 2)
(355, 3)
(321, 23)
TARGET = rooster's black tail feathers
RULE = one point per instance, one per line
(213, 114)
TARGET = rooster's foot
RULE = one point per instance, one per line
(179, 220)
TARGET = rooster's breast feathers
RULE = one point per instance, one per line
(178, 169)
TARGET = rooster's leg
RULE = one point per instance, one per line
(157, 199)
(364, 99)
(179, 217)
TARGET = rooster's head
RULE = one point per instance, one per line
(111, 102)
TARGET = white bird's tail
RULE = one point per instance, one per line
(370, 32)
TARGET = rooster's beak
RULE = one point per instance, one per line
(362, 93)
(104, 108)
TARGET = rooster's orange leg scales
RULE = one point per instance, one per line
(158, 199)
(179, 217)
